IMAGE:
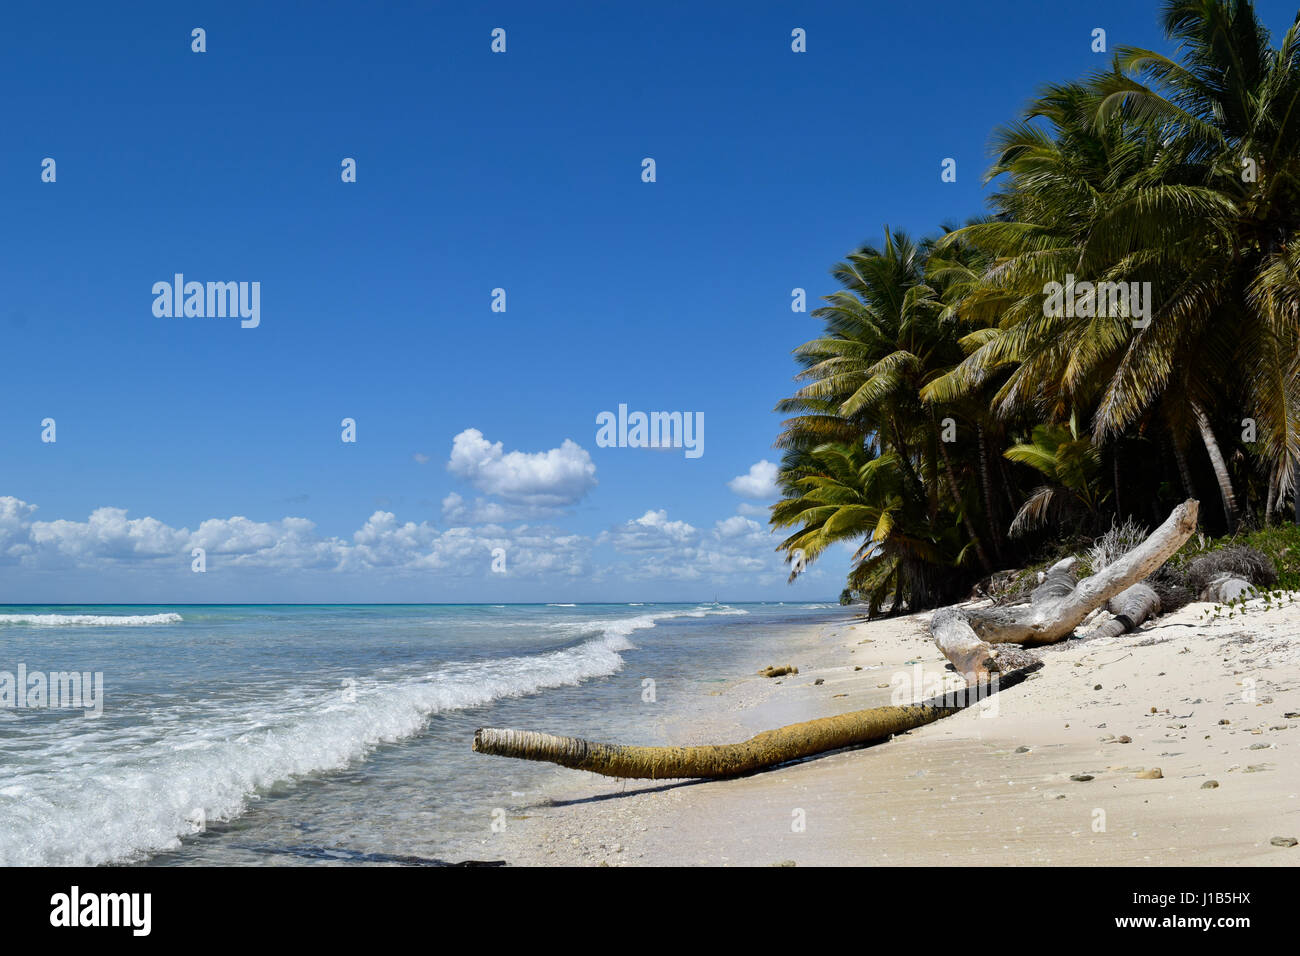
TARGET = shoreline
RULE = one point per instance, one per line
(1200, 700)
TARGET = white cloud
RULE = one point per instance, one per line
(110, 539)
(735, 549)
(650, 532)
(382, 542)
(15, 526)
(759, 483)
(109, 534)
(540, 480)
(237, 535)
(737, 527)
(457, 511)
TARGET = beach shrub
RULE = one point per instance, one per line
(1114, 544)
(1170, 585)
(1282, 546)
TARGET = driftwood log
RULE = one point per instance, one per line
(1131, 607)
(972, 638)
(767, 749)
(1226, 587)
(1059, 581)
(971, 656)
(1054, 617)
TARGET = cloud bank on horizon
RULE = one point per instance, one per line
(507, 536)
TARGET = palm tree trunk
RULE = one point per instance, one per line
(1119, 513)
(905, 457)
(1183, 471)
(1220, 467)
(990, 500)
(1295, 490)
(767, 749)
(1006, 485)
(1271, 502)
(1131, 608)
(956, 497)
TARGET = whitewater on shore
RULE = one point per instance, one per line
(328, 734)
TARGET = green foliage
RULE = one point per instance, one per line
(1072, 466)
(1136, 174)
(866, 460)
(1280, 544)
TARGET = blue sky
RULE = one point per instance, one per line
(475, 171)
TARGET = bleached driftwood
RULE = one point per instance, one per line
(1226, 587)
(1131, 607)
(1056, 583)
(967, 636)
(1053, 618)
(971, 657)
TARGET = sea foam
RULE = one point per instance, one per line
(123, 795)
(90, 620)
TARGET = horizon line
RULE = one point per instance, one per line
(399, 603)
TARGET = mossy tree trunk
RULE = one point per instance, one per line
(767, 749)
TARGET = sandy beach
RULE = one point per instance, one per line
(1055, 771)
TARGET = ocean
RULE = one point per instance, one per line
(328, 734)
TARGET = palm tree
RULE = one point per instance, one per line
(885, 338)
(1178, 174)
(1072, 467)
(1224, 113)
(844, 493)
(1144, 181)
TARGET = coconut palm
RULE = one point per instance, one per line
(1072, 466)
(1226, 109)
(846, 493)
(885, 338)
(1180, 174)
(1138, 183)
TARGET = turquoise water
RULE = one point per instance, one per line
(327, 734)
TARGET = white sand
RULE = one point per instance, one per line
(957, 790)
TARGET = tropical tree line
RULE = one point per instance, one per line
(947, 424)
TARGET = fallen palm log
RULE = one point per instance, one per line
(1053, 618)
(767, 749)
(1228, 574)
(1131, 607)
(1059, 581)
(1226, 587)
(972, 657)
